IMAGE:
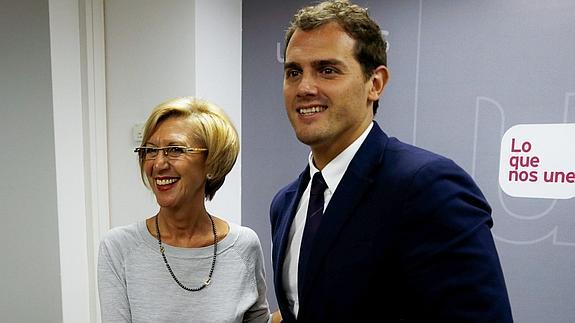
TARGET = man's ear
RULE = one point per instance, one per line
(378, 80)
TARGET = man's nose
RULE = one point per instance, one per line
(307, 85)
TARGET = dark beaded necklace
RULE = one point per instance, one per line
(162, 251)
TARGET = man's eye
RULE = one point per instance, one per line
(292, 73)
(328, 70)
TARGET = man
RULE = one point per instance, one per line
(400, 234)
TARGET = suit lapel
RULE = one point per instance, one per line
(350, 191)
(292, 199)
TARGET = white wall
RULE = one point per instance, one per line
(157, 51)
(55, 195)
(68, 134)
(30, 262)
(79, 133)
(218, 79)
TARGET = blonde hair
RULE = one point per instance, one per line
(210, 125)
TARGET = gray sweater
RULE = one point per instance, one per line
(135, 285)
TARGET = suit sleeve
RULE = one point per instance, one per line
(275, 210)
(449, 257)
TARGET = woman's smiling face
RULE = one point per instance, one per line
(176, 181)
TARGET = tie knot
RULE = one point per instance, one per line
(318, 184)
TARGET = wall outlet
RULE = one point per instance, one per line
(138, 132)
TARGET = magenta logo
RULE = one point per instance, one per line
(538, 161)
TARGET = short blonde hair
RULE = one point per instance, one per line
(210, 125)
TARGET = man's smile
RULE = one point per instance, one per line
(311, 110)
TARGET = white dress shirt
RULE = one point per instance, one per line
(332, 174)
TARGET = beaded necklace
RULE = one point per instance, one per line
(162, 251)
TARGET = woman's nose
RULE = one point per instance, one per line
(161, 160)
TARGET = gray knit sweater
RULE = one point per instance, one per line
(135, 285)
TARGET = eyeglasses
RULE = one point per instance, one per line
(172, 152)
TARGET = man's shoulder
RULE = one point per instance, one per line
(288, 189)
(410, 167)
(409, 157)
(394, 156)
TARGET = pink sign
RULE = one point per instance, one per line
(538, 161)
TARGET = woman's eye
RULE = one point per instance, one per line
(175, 150)
(150, 151)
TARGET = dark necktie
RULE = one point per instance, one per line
(314, 215)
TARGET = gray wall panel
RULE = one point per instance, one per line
(456, 66)
(30, 279)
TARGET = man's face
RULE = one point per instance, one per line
(327, 99)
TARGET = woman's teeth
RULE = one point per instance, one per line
(166, 181)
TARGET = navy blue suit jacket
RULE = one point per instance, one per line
(406, 237)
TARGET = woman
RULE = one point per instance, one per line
(183, 264)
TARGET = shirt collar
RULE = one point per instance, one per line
(334, 170)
